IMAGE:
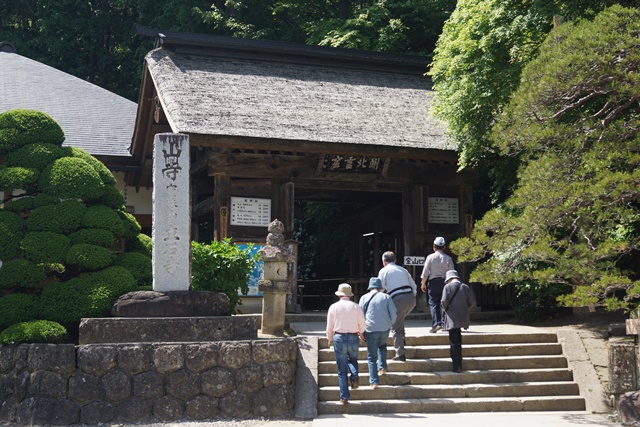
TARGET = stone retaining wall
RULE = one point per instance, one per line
(63, 384)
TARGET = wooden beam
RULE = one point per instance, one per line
(205, 207)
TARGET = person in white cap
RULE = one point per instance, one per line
(379, 314)
(345, 329)
(457, 298)
(436, 266)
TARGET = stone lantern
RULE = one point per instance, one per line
(273, 284)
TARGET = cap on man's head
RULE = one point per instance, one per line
(451, 274)
(439, 241)
(344, 290)
(375, 283)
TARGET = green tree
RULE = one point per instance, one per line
(574, 218)
(59, 228)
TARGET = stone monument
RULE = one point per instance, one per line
(274, 283)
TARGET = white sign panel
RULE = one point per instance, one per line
(250, 211)
(443, 210)
(413, 260)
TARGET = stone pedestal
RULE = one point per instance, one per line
(274, 284)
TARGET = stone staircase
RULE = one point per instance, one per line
(502, 373)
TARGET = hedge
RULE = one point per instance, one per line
(104, 217)
(12, 229)
(34, 156)
(71, 178)
(45, 247)
(62, 218)
(12, 178)
(104, 172)
(36, 331)
(27, 203)
(141, 244)
(139, 266)
(90, 257)
(112, 198)
(93, 236)
(23, 127)
(15, 308)
(21, 273)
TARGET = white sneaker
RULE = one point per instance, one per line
(434, 329)
(382, 371)
(374, 386)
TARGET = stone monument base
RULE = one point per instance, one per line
(167, 329)
(171, 304)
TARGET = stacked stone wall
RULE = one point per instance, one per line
(63, 384)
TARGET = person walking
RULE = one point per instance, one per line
(457, 298)
(379, 314)
(402, 289)
(435, 267)
(345, 329)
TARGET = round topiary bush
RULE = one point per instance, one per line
(71, 178)
(23, 127)
(87, 296)
(15, 308)
(34, 156)
(12, 230)
(90, 257)
(60, 218)
(93, 236)
(45, 247)
(112, 198)
(131, 226)
(36, 331)
(104, 217)
(27, 203)
(20, 273)
(104, 172)
(141, 244)
(139, 266)
(17, 178)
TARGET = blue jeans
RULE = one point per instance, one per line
(345, 347)
(436, 286)
(376, 353)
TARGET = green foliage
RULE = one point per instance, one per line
(34, 156)
(139, 266)
(90, 257)
(221, 266)
(86, 296)
(45, 247)
(112, 198)
(27, 203)
(60, 218)
(104, 217)
(17, 178)
(15, 308)
(574, 218)
(535, 303)
(19, 128)
(131, 226)
(140, 244)
(93, 236)
(99, 167)
(20, 273)
(12, 230)
(71, 178)
(37, 331)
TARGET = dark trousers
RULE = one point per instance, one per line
(434, 291)
(455, 348)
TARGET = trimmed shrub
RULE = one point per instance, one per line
(93, 236)
(15, 308)
(88, 296)
(28, 203)
(34, 156)
(90, 257)
(36, 331)
(131, 226)
(20, 273)
(104, 172)
(45, 247)
(103, 217)
(139, 266)
(12, 230)
(141, 244)
(23, 127)
(62, 218)
(17, 178)
(112, 198)
(71, 178)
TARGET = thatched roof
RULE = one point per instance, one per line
(231, 96)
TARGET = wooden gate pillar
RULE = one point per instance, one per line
(283, 197)
(221, 206)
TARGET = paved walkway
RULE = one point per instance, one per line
(585, 348)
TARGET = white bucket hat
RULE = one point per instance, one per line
(451, 274)
(344, 290)
(439, 241)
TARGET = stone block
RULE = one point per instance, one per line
(116, 385)
(218, 381)
(201, 408)
(203, 356)
(278, 373)
(249, 378)
(85, 387)
(97, 413)
(245, 327)
(148, 384)
(172, 304)
(21, 357)
(629, 407)
(631, 326)
(167, 357)
(622, 366)
(96, 359)
(168, 408)
(273, 401)
(235, 404)
(64, 412)
(47, 384)
(235, 354)
(53, 357)
(183, 384)
(134, 409)
(134, 358)
(6, 358)
(273, 350)
(34, 411)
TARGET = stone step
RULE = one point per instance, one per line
(479, 404)
(465, 377)
(469, 350)
(435, 391)
(444, 364)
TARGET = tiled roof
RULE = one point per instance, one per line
(93, 119)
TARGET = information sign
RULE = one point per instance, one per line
(413, 260)
(444, 210)
(250, 211)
